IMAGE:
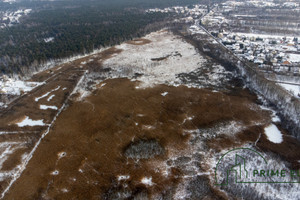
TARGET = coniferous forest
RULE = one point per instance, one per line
(74, 28)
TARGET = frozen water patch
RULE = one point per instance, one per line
(45, 107)
(273, 134)
(29, 122)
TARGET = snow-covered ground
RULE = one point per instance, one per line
(45, 107)
(46, 94)
(16, 87)
(159, 62)
(9, 1)
(147, 181)
(50, 39)
(294, 89)
(295, 58)
(10, 18)
(273, 134)
(265, 36)
(29, 122)
(51, 97)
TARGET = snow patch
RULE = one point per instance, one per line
(51, 97)
(46, 94)
(50, 39)
(43, 96)
(295, 58)
(147, 181)
(273, 134)
(45, 107)
(294, 89)
(274, 116)
(164, 94)
(123, 177)
(29, 122)
(159, 61)
(16, 87)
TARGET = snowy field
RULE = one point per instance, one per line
(294, 89)
(169, 60)
(159, 61)
(265, 36)
(295, 58)
(16, 87)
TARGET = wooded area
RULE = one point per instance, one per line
(73, 28)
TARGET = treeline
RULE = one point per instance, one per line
(286, 104)
(73, 27)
